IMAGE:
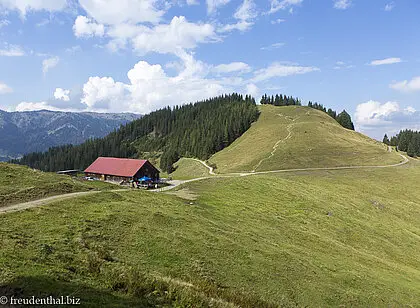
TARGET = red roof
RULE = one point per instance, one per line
(116, 166)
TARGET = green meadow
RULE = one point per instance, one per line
(20, 184)
(324, 238)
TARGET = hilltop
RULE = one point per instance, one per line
(299, 137)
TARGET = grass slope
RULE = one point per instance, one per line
(299, 137)
(20, 184)
(188, 168)
(318, 239)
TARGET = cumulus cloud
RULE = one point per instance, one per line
(62, 94)
(171, 38)
(24, 6)
(5, 89)
(232, 67)
(214, 5)
(342, 4)
(277, 5)
(378, 118)
(281, 70)
(150, 88)
(114, 12)
(245, 14)
(11, 51)
(176, 37)
(412, 85)
(49, 63)
(86, 27)
(385, 61)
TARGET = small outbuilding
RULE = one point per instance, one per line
(121, 169)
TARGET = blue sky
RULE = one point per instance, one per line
(141, 55)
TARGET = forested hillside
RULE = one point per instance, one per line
(406, 141)
(193, 130)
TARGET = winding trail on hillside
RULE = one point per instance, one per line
(282, 140)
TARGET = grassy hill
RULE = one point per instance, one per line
(316, 239)
(188, 168)
(299, 137)
(20, 184)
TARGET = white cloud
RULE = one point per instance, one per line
(246, 11)
(277, 5)
(342, 65)
(342, 4)
(30, 106)
(245, 14)
(61, 94)
(99, 93)
(86, 27)
(278, 21)
(281, 70)
(192, 2)
(273, 46)
(253, 90)
(172, 38)
(385, 61)
(374, 113)
(240, 26)
(380, 118)
(24, 6)
(49, 63)
(407, 85)
(4, 88)
(151, 88)
(11, 51)
(213, 5)
(232, 67)
(389, 7)
(114, 12)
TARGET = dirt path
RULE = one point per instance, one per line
(405, 161)
(40, 202)
(276, 145)
(211, 169)
(30, 204)
(176, 183)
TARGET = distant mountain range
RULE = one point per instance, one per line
(33, 131)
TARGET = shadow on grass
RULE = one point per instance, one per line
(44, 287)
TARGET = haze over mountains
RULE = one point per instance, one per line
(32, 131)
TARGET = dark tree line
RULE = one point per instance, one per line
(279, 100)
(406, 141)
(343, 118)
(192, 130)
